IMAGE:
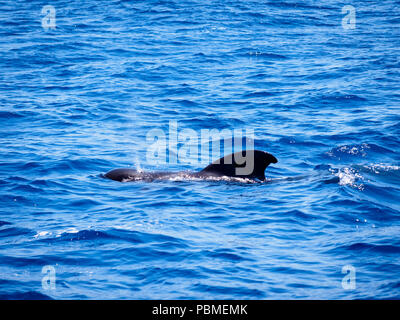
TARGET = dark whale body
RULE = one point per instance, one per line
(247, 164)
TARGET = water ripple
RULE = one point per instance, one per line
(81, 99)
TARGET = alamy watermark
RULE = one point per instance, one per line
(349, 280)
(191, 147)
(49, 278)
(49, 19)
(349, 20)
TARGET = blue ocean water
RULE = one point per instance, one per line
(79, 99)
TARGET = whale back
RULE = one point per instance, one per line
(121, 174)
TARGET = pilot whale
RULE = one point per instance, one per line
(246, 164)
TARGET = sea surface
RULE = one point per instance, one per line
(81, 90)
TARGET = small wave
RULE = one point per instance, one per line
(259, 94)
(223, 291)
(377, 181)
(349, 177)
(381, 248)
(136, 237)
(357, 150)
(42, 234)
(225, 255)
(75, 235)
(14, 232)
(28, 295)
(4, 223)
(382, 168)
(266, 55)
(299, 142)
(9, 115)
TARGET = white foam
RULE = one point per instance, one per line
(350, 177)
(380, 167)
(42, 234)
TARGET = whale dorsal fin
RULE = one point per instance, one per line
(242, 164)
